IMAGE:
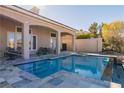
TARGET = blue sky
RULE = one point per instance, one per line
(81, 16)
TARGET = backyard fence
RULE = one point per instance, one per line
(89, 45)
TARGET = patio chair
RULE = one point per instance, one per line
(12, 54)
(50, 51)
(41, 51)
(44, 51)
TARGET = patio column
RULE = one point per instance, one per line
(58, 42)
(73, 41)
(26, 40)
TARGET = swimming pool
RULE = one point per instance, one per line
(85, 66)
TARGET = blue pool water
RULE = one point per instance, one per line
(85, 66)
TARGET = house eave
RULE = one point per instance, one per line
(29, 13)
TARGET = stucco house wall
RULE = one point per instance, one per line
(43, 36)
(67, 40)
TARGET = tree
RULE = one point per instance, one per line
(94, 29)
(100, 30)
(113, 35)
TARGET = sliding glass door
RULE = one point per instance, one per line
(14, 39)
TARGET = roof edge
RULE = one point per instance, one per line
(48, 19)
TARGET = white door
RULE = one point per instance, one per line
(53, 43)
(33, 42)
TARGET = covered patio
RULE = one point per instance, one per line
(27, 32)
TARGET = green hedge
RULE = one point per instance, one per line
(86, 36)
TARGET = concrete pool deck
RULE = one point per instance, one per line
(13, 77)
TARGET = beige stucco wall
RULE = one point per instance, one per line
(43, 36)
(89, 45)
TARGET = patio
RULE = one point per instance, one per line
(21, 29)
(11, 76)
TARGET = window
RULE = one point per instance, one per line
(53, 41)
(30, 31)
(14, 39)
(53, 35)
(19, 29)
(19, 38)
(10, 40)
(30, 36)
(34, 42)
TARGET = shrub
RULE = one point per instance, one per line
(93, 35)
(85, 36)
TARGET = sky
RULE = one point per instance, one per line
(81, 16)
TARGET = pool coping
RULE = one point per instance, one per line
(60, 56)
(84, 54)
